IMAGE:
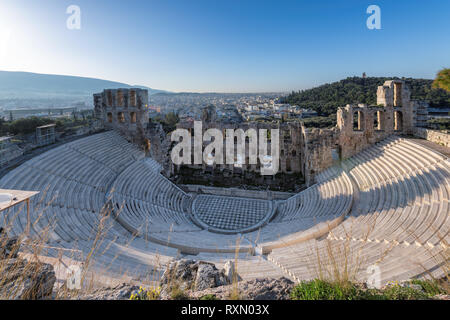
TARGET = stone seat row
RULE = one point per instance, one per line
(411, 205)
(411, 209)
(328, 258)
(141, 182)
(399, 222)
(330, 198)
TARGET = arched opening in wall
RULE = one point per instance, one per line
(378, 120)
(294, 153)
(109, 98)
(109, 115)
(358, 121)
(121, 117)
(335, 156)
(397, 94)
(132, 98)
(375, 121)
(120, 98)
(133, 117)
(398, 121)
(288, 165)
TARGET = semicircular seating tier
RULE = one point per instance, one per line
(399, 223)
(100, 197)
(149, 205)
(68, 217)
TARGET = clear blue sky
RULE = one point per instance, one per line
(225, 46)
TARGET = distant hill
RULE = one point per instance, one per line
(326, 98)
(32, 89)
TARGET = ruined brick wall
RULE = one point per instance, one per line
(157, 145)
(302, 150)
(395, 94)
(124, 110)
(289, 176)
(290, 145)
(361, 125)
(358, 127)
(373, 125)
(318, 146)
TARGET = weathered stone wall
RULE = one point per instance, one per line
(361, 125)
(439, 137)
(290, 171)
(290, 145)
(374, 124)
(124, 110)
(303, 152)
(317, 151)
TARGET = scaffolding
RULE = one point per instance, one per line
(45, 135)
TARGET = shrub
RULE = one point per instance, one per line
(398, 292)
(143, 294)
(177, 293)
(430, 287)
(323, 290)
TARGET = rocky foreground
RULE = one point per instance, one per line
(19, 278)
(182, 279)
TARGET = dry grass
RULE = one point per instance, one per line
(336, 261)
(234, 292)
(98, 266)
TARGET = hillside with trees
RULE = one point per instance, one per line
(326, 98)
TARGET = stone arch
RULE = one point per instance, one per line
(133, 117)
(397, 94)
(358, 121)
(119, 97)
(110, 117)
(378, 120)
(121, 117)
(132, 98)
(398, 121)
(109, 98)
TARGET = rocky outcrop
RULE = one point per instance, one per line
(22, 279)
(200, 278)
(255, 289)
(194, 275)
(9, 246)
(120, 292)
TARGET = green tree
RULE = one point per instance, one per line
(326, 98)
(442, 80)
(171, 119)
